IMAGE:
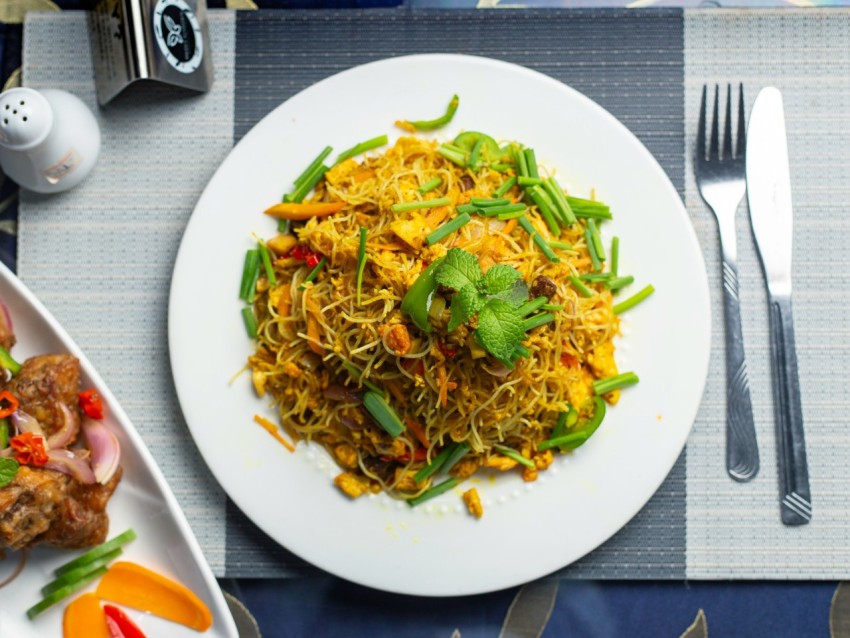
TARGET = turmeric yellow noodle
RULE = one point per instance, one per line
(315, 339)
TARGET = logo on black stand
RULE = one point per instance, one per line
(178, 34)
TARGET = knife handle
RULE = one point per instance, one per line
(742, 453)
(796, 499)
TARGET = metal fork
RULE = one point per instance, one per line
(721, 181)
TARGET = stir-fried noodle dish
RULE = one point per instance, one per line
(430, 310)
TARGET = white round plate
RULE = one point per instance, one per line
(528, 530)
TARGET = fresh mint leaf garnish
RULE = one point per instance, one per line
(516, 295)
(8, 470)
(458, 270)
(465, 303)
(499, 278)
(499, 330)
(495, 297)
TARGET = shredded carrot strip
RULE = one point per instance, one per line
(395, 390)
(271, 429)
(445, 385)
(418, 432)
(284, 303)
(298, 212)
(313, 335)
(509, 227)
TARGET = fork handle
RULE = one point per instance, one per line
(742, 454)
(796, 499)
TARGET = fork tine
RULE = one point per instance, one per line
(701, 128)
(713, 150)
(727, 127)
(742, 129)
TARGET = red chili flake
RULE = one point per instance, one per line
(449, 352)
(304, 253)
(91, 404)
(29, 449)
(569, 360)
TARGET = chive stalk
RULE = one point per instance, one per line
(529, 181)
(521, 163)
(362, 147)
(492, 211)
(561, 245)
(555, 307)
(436, 464)
(447, 229)
(403, 207)
(505, 187)
(513, 454)
(381, 411)
(557, 193)
(474, 161)
(252, 263)
(634, 300)
(460, 450)
(615, 255)
(597, 277)
(313, 273)
(313, 166)
(284, 226)
(615, 283)
(603, 386)
(531, 163)
(578, 284)
(484, 202)
(537, 321)
(501, 168)
(307, 185)
(430, 493)
(597, 240)
(545, 210)
(4, 433)
(507, 216)
(588, 208)
(361, 262)
(532, 305)
(430, 185)
(454, 156)
(542, 244)
(250, 321)
(267, 263)
(591, 249)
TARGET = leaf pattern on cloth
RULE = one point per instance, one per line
(531, 609)
(839, 612)
(699, 628)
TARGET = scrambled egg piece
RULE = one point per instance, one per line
(473, 502)
(464, 468)
(501, 463)
(411, 231)
(352, 484)
(346, 455)
(398, 339)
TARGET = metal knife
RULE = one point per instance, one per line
(769, 198)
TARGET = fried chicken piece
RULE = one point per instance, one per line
(44, 382)
(42, 506)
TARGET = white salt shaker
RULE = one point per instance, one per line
(49, 139)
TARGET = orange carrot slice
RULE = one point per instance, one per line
(299, 212)
(84, 618)
(138, 587)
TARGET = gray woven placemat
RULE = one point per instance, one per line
(100, 257)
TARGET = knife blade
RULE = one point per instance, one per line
(771, 217)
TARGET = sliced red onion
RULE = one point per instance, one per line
(350, 423)
(24, 422)
(67, 462)
(67, 432)
(341, 393)
(105, 449)
(6, 325)
(497, 370)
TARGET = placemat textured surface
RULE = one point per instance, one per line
(100, 257)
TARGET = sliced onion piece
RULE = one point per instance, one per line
(336, 392)
(69, 429)
(497, 370)
(105, 449)
(24, 422)
(67, 462)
